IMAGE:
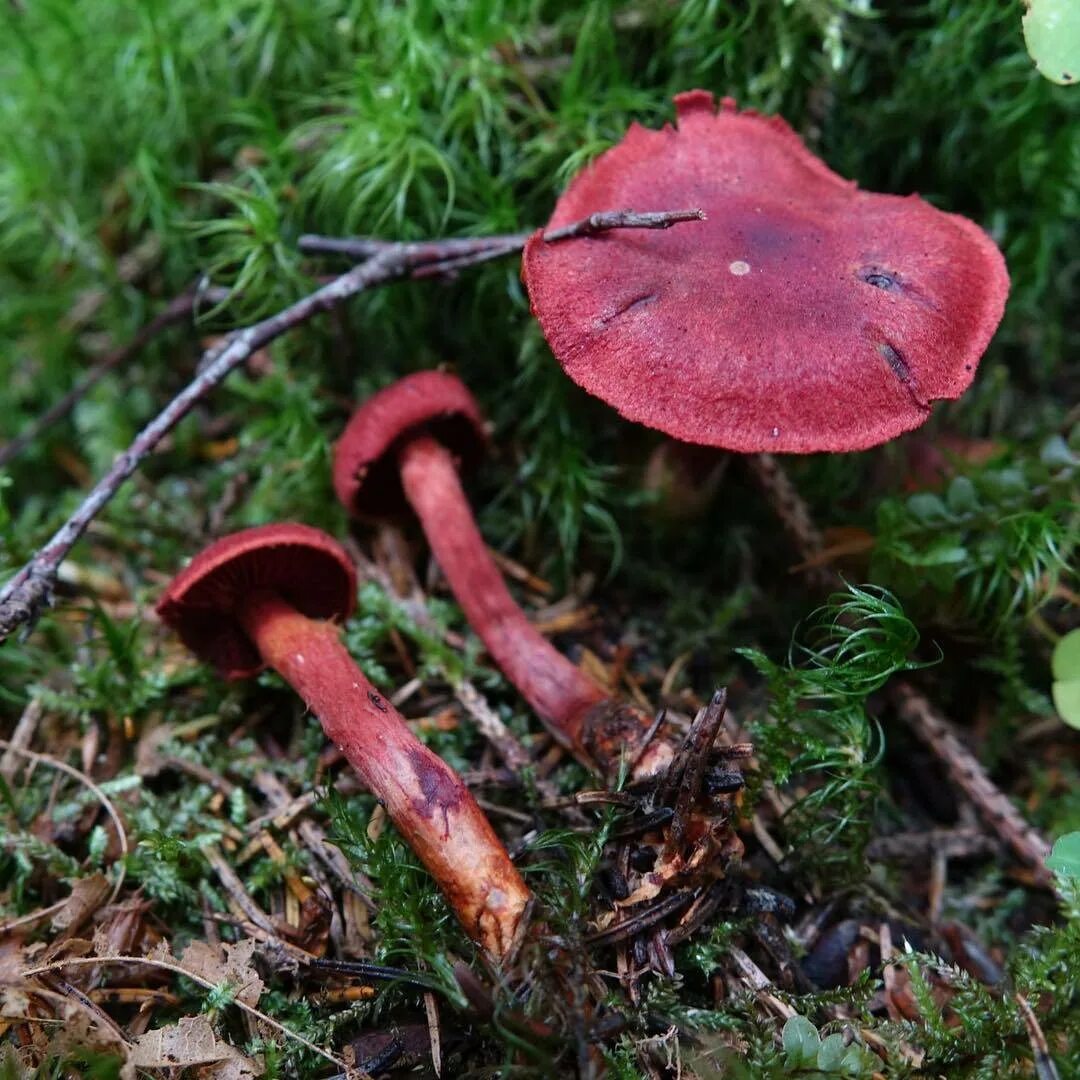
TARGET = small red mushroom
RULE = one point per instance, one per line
(403, 447)
(802, 315)
(265, 596)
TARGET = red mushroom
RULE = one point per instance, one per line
(265, 596)
(404, 447)
(802, 315)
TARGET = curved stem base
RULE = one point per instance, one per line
(598, 729)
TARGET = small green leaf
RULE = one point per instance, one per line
(1055, 452)
(927, 508)
(943, 552)
(801, 1043)
(1052, 36)
(830, 1054)
(1064, 860)
(1066, 695)
(962, 496)
(1065, 663)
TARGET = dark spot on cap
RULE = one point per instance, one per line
(895, 361)
(878, 278)
(376, 701)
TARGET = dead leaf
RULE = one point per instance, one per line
(162, 952)
(81, 1031)
(87, 895)
(13, 1000)
(235, 968)
(190, 1042)
(149, 761)
(229, 1070)
(121, 928)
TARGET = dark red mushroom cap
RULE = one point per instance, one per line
(802, 315)
(303, 565)
(365, 459)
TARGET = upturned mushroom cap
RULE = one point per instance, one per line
(365, 458)
(802, 315)
(301, 564)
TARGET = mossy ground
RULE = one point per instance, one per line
(146, 145)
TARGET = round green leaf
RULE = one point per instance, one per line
(1065, 857)
(801, 1042)
(1066, 695)
(927, 507)
(831, 1053)
(1065, 663)
(962, 498)
(1052, 36)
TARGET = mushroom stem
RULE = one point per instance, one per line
(423, 796)
(595, 727)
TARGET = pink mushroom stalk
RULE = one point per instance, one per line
(403, 448)
(266, 597)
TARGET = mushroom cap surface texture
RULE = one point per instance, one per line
(803, 315)
(365, 458)
(302, 565)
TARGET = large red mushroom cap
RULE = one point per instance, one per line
(802, 315)
(366, 476)
(302, 565)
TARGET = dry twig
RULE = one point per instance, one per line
(24, 596)
(968, 775)
(54, 763)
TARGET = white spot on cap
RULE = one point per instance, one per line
(776, 433)
(739, 268)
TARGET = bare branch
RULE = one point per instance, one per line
(23, 597)
(595, 224)
(422, 252)
(995, 808)
(118, 824)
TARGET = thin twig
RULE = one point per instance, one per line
(232, 884)
(100, 1016)
(506, 744)
(601, 222)
(425, 252)
(1045, 1069)
(958, 843)
(968, 774)
(21, 737)
(759, 982)
(682, 784)
(366, 969)
(638, 919)
(23, 597)
(361, 248)
(176, 311)
(54, 763)
(178, 969)
(431, 1008)
(34, 917)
